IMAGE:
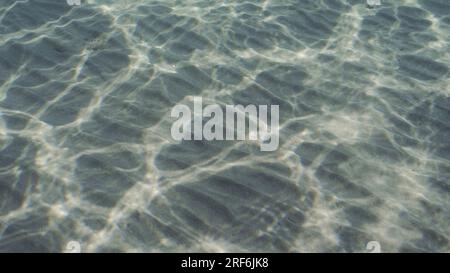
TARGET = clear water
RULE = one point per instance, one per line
(86, 153)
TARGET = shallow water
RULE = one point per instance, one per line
(86, 152)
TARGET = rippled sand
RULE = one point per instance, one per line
(86, 152)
